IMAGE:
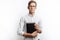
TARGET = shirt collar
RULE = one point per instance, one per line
(31, 15)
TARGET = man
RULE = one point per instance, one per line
(30, 18)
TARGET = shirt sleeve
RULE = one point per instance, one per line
(21, 25)
(40, 24)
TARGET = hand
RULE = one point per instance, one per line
(34, 34)
(37, 28)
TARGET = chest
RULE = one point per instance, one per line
(31, 20)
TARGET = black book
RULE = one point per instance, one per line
(30, 27)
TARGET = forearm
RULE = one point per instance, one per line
(31, 35)
(27, 35)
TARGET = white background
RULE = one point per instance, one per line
(12, 10)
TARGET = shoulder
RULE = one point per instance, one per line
(38, 18)
(23, 17)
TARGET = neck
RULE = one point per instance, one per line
(31, 13)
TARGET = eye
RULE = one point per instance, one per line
(32, 6)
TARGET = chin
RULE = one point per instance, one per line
(32, 12)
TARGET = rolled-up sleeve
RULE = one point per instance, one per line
(20, 28)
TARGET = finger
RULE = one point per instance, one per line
(35, 24)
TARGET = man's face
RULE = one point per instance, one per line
(32, 7)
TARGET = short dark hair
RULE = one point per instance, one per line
(32, 2)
